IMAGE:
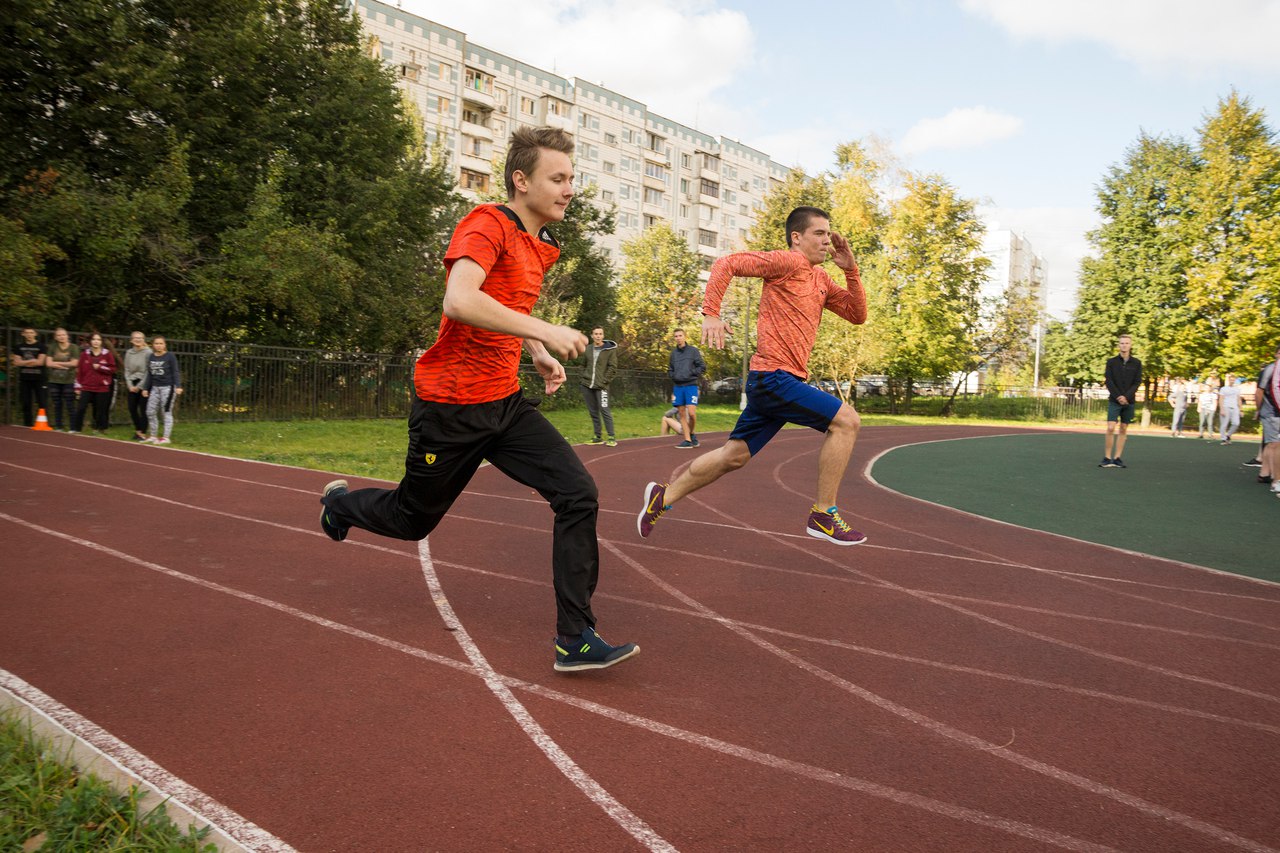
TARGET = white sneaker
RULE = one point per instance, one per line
(151, 439)
(163, 441)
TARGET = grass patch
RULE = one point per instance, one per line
(46, 804)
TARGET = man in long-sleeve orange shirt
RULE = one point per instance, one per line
(796, 291)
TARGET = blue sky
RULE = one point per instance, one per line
(1021, 104)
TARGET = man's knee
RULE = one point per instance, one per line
(846, 419)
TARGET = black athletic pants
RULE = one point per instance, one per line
(138, 411)
(31, 389)
(447, 443)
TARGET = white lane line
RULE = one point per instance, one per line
(134, 765)
(819, 774)
(621, 815)
(1154, 810)
(868, 579)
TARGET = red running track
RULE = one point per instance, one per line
(955, 684)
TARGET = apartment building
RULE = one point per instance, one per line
(1014, 261)
(651, 169)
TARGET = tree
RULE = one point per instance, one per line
(934, 270)
(658, 291)
(1233, 286)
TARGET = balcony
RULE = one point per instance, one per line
(563, 122)
(475, 163)
(479, 97)
(479, 131)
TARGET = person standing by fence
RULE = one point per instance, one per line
(95, 374)
(1207, 405)
(597, 373)
(60, 375)
(1178, 399)
(29, 358)
(161, 387)
(1228, 408)
(135, 372)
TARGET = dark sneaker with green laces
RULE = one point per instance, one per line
(611, 442)
(831, 527)
(336, 532)
(596, 440)
(590, 651)
(655, 495)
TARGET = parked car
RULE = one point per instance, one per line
(727, 385)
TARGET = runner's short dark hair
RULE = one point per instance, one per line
(525, 147)
(798, 219)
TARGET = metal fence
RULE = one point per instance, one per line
(231, 382)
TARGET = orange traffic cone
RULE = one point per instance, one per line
(42, 423)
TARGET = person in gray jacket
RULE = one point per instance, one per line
(685, 370)
(135, 371)
(601, 364)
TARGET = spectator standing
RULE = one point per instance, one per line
(1267, 399)
(135, 372)
(161, 386)
(1123, 374)
(94, 375)
(685, 369)
(598, 372)
(1178, 399)
(1207, 405)
(1229, 407)
(29, 357)
(60, 376)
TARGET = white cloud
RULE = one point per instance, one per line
(611, 43)
(1189, 35)
(1057, 234)
(967, 127)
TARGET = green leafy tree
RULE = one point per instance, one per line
(658, 292)
(933, 274)
(1233, 286)
(24, 298)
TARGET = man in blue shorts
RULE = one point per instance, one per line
(1123, 375)
(685, 369)
(796, 292)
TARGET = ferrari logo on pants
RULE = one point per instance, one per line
(430, 458)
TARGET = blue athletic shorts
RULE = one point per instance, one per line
(1117, 412)
(776, 398)
(685, 395)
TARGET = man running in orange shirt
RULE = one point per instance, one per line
(469, 406)
(796, 290)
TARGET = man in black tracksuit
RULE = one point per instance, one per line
(597, 373)
(1123, 375)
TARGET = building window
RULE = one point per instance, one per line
(624, 191)
(442, 105)
(556, 108)
(652, 196)
(527, 106)
(684, 211)
(588, 121)
(610, 139)
(473, 116)
(475, 181)
(686, 161)
(710, 162)
(706, 238)
(710, 188)
(606, 195)
(650, 221)
(654, 170)
(479, 81)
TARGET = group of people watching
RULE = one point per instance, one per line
(1212, 399)
(69, 380)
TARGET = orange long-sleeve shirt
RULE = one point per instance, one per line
(791, 303)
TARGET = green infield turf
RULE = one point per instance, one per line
(1184, 499)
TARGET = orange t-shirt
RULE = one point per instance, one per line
(471, 365)
(791, 303)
